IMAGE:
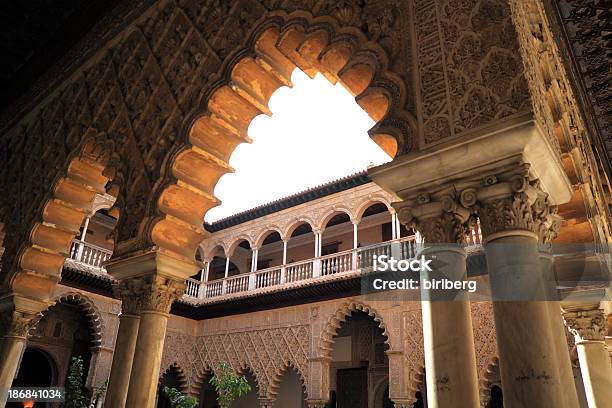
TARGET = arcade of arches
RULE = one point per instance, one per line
(496, 143)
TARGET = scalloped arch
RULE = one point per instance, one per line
(278, 377)
(93, 168)
(335, 321)
(90, 310)
(248, 79)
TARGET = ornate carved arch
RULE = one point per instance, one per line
(90, 310)
(249, 77)
(243, 368)
(34, 265)
(278, 377)
(178, 370)
(335, 321)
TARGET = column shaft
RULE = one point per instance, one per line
(450, 359)
(123, 358)
(588, 324)
(11, 349)
(558, 333)
(147, 359)
(596, 373)
(529, 371)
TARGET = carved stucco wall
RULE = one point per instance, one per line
(267, 342)
(141, 89)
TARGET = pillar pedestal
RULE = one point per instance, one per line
(588, 324)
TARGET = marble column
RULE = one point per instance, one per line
(512, 211)
(157, 295)
(588, 325)
(558, 330)
(17, 317)
(450, 358)
(12, 345)
(125, 345)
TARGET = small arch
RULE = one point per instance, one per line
(258, 390)
(172, 377)
(333, 324)
(276, 381)
(37, 369)
(362, 207)
(337, 210)
(268, 230)
(238, 241)
(295, 223)
(90, 310)
(491, 377)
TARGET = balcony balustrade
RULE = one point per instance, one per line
(353, 261)
(87, 257)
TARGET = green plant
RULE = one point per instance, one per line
(97, 394)
(76, 394)
(178, 399)
(229, 385)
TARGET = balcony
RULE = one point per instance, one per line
(341, 265)
(87, 257)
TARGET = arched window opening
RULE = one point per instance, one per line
(272, 252)
(337, 234)
(291, 391)
(37, 369)
(497, 398)
(172, 379)
(376, 225)
(66, 331)
(301, 245)
(242, 257)
(207, 397)
(219, 267)
(250, 399)
(359, 361)
(94, 244)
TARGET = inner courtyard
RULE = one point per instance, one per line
(493, 115)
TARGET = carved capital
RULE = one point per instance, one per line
(150, 293)
(402, 404)
(586, 325)
(514, 202)
(129, 293)
(440, 220)
(17, 324)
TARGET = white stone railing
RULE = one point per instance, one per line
(312, 270)
(87, 257)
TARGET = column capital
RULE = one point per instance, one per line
(439, 219)
(17, 324)
(586, 325)
(19, 314)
